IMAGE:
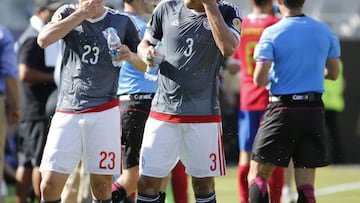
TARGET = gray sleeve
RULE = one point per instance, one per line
(154, 28)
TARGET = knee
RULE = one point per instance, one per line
(149, 185)
(101, 188)
(49, 188)
(203, 186)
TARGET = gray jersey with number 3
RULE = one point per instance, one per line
(89, 78)
(188, 82)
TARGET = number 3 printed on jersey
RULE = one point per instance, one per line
(188, 51)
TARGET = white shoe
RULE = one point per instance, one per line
(287, 196)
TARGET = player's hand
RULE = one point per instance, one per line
(91, 8)
(125, 53)
(149, 58)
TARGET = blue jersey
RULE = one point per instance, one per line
(299, 47)
(8, 62)
(131, 80)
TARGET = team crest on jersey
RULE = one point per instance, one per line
(206, 24)
(237, 23)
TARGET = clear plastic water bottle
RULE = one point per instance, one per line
(151, 73)
(113, 42)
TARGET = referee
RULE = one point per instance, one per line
(296, 50)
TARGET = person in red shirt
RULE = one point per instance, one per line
(253, 100)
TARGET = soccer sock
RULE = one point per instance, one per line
(102, 201)
(179, 183)
(118, 192)
(243, 187)
(142, 198)
(306, 194)
(276, 183)
(162, 196)
(258, 191)
(55, 201)
(209, 198)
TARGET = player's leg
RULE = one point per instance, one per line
(101, 151)
(179, 183)
(287, 195)
(125, 184)
(32, 136)
(71, 187)
(209, 160)
(259, 175)
(304, 179)
(204, 189)
(159, 154)
(56, 165)
(23, 182)
(248, 124)
(310, 152)
(273, 144)
(101, 187)
(51, 185)
(84, 193)
(276, 183)
(133, 118)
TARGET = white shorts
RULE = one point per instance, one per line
(93, 137)
(198, 145)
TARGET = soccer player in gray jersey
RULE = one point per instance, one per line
(184, 122)
(86, 124)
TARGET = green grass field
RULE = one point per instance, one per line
(334, 184)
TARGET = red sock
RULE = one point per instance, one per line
(179, 183)
(133, 195)
(243, 185)
(276, 183)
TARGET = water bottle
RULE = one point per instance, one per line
(113, 42)
(151, 73)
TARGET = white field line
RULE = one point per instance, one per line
(337, 188)
(332, 189)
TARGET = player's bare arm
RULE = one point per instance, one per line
(224, 38)
(59, 27)
(261, 73)
(146, 51)
(133, 58)
(332, 69)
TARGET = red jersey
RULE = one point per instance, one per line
(252, 98)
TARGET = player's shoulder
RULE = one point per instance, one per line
(229, 7)
(117, 14)
(169, 2)
(64, 11)
(164, 5)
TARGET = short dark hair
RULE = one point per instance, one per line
(261, 2)
(294, 4)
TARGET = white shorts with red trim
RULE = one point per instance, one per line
(198, 145)
(93, 137)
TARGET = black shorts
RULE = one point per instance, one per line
(134, 113)
(31, 142)
(292, 130)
